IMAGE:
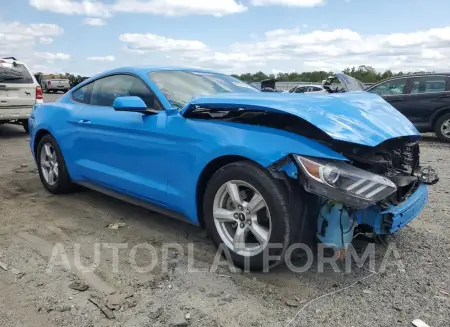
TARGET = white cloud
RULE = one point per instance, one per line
(94, 8)
(52, 56)
(341, 48)
(17, 28)
(94, 21)
(18, 39)
(180, 7)
(68, 7)
(288, 3)
(142, 43)
(304, 51)
(45, 40)
(105, 58)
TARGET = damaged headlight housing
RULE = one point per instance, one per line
(343, 182)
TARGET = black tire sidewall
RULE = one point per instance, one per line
(438, 125)
(25, 125)
(63, 184)
(276, 200)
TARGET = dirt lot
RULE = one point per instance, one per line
(33, 221)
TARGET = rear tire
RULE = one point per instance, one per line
(271, 222)
(25, 126)
(442, 128)
(52, 167)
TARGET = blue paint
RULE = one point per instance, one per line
(357, 117)
(160, 157)
(335, 225)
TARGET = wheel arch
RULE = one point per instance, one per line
(439, 114)
(206, 174)
(38, 137)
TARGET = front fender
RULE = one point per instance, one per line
(265, 145)
(196, 143)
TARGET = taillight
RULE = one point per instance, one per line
(49, 83)
(39, 95)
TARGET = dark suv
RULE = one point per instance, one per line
(423, 98)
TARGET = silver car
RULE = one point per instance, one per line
(19, 92)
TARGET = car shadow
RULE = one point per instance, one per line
(11, 131)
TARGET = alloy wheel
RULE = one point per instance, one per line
(242, 218)
(49, 164)
(445, 128)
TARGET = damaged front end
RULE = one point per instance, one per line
(377, 192)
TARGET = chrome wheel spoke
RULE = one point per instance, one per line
(445, 128)
(260, 232)
(48, 151)
(256, 203)
(45, 164)
(233, 192)
(51, 177)
(239, 238)
(224, 216)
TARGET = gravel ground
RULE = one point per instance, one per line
(33, 221)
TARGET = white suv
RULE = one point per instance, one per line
(19, 92)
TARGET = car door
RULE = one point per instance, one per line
(123, 151)
(393, 91)
(427, 95)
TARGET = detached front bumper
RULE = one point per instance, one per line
(396, 217)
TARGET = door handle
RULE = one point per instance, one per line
(84, 122)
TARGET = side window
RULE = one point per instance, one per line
(301, 89)
(315, 88)
(428, 84)
(83, 94)
(394, 87)
(107, 89)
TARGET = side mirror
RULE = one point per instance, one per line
(129, 103)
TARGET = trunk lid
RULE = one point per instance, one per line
(356, 117)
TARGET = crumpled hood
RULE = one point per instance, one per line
(358, 117)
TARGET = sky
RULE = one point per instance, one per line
(232, 36)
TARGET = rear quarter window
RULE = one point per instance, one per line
(83, 94)
(14, 73)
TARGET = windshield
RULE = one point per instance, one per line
(14, 73)
(180, 87)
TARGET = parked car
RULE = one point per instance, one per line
(19, 92)
(307, 89)
(260, 171)
(51, 84)
(423, 98)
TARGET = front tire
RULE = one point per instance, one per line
(52, 167)
(247, 210)
(442, 128)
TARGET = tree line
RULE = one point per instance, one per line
(365, 74)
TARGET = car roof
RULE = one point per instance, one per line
(149, 69)
(10, 61)
(416, 75)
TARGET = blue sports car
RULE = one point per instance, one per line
(260, 171)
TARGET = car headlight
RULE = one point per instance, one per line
(343, 182)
